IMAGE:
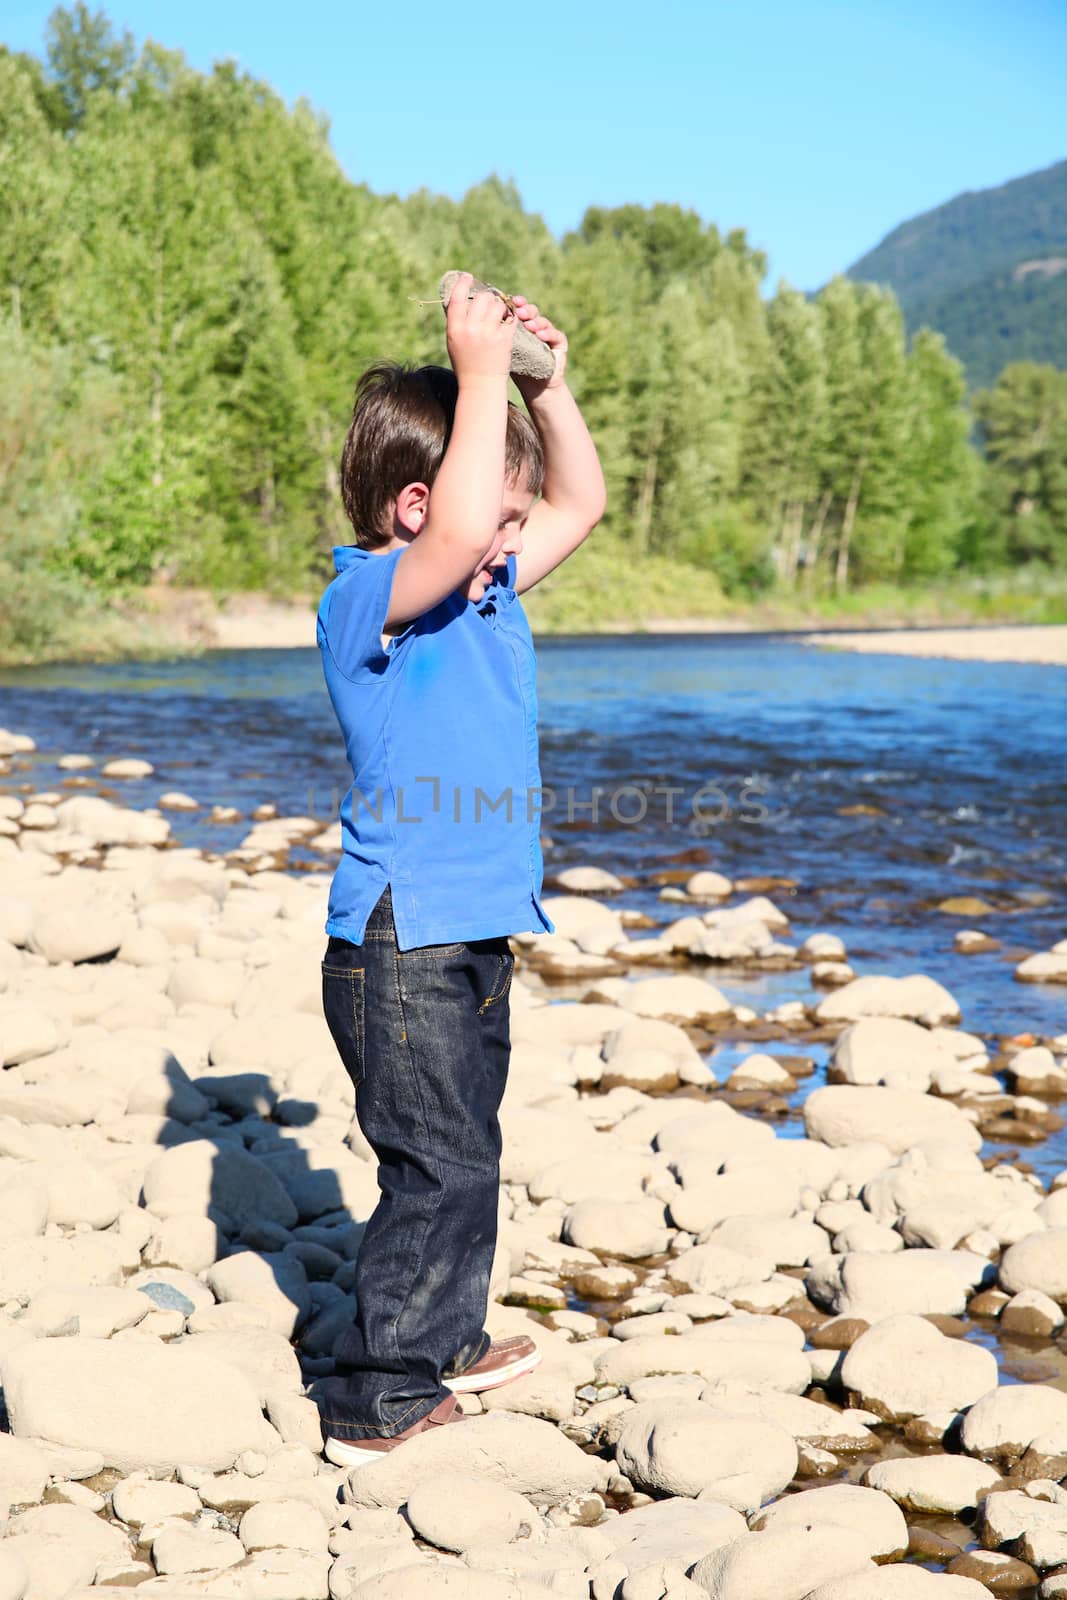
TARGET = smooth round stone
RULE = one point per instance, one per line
(457, 1512)
(128, 767)
(933, 1483)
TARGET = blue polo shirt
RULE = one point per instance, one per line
(440, 728)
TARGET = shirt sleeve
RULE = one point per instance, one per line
(354, 617)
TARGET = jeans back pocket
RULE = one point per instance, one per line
(343, 991)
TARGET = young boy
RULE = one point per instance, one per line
(430, 667)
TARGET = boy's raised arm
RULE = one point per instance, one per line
(574, 495)
(457, 520)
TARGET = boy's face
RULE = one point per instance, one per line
(514, 509)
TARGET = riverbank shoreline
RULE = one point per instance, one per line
(163, 622)
(1039, 644)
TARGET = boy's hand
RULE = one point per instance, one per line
(532, 319)
(478, 333)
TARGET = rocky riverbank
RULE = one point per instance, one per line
(775, 1368)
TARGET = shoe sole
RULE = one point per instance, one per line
(344, 1454)
(470, 1383)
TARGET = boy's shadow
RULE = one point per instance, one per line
(269, 1200)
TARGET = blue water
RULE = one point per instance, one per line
(966, 763)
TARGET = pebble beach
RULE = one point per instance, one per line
(800, 1331)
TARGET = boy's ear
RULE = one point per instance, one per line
(412, 505)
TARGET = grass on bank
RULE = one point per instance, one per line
(53, 617)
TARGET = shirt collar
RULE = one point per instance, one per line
(346, 555)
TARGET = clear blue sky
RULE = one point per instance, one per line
(815, 126)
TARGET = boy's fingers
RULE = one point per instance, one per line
(457, 301)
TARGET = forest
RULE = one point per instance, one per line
(190, 287)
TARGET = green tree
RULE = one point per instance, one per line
(787, 425)
(34, 247)
(86, 58)
(1024, 428)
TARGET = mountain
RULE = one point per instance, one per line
(988, 270)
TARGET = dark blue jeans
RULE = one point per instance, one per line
(424, 1035)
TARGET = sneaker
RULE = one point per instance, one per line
(503, 1362)
(361, 1452)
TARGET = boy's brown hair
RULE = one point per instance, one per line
(401, 424)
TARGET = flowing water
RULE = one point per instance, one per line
(879, 784)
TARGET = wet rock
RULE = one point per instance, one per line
(1036, 1071)
(1038, 1528)
(915, 997)
(942, 1483)
(873, 1286)
(998, 1573)
(761, 1072)
(783, 1564)
(903, 1367)
(1032, 1314)
(687, 1449)
(1048, 966)
(1003, 1425)
(606, 1283)
(522, 1453)
(139, 1404)
(867, 1513)
(1037, 1262)
(841, 1114)
(456, 1512)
